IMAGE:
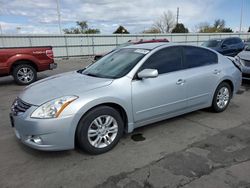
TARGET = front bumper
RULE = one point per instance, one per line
(43, 134)
(52, 66)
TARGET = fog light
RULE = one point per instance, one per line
(36, 139)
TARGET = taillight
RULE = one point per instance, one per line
(50, 54)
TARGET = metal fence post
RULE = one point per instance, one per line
(66, 46)
(116, 40)
(93, 47)
(2, 40)
(30, 41)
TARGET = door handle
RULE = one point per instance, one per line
(216, 71)
(180, 82)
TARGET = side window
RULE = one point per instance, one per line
(165, 60)
(237, 40)
(229, 42)
(196, 57)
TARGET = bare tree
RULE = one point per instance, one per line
(151, 30)
(165, 23)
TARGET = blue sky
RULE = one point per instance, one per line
(40, 17)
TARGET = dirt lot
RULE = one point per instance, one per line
(200, 149)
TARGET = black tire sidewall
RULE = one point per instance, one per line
(18, 67)
(214, 105)
(85, 122)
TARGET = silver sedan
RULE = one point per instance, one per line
(129, 88)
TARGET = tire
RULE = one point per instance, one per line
(93, 136)
(24, 74)
(222, 97)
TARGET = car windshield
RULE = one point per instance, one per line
(211, 43)
(116, 64)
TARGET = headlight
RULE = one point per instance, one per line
(53, 108)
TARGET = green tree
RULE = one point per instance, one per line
(217, 27)
(180, 28)
(121, 30)
(227, 30)
(81, 28)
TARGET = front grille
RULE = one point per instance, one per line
(20, 106)
(247, 63)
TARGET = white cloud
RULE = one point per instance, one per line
(106, 15)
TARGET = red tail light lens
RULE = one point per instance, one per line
(50, 54)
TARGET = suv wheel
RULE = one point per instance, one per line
(24, 74)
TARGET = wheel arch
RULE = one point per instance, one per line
(230, 83)
(117, 106)
(21, 62)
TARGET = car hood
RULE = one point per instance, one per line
(245, 55)
(71, 83)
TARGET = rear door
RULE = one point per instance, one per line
(165, 94)
(202, 73)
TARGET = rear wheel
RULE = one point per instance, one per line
(99, 130)
(24, 74)
(222, 97)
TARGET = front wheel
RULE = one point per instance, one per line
(24, 74)
(222, 97)
(99, 130)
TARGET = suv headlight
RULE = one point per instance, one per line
(53, 108)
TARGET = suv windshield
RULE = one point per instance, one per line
(211, 43)
(116, 64)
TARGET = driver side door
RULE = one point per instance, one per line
(154, 98)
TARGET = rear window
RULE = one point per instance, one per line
(196, 57)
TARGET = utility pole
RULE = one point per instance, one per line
(241, 13)
(59, 16)
(177, 16)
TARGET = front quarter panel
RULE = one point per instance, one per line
(119, 92)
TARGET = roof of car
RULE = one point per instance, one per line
(224, 38)
(150, 46)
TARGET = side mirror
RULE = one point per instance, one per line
(148, 73)
(224, 46)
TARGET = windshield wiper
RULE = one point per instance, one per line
(91, 74)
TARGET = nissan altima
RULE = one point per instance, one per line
(131, 87)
